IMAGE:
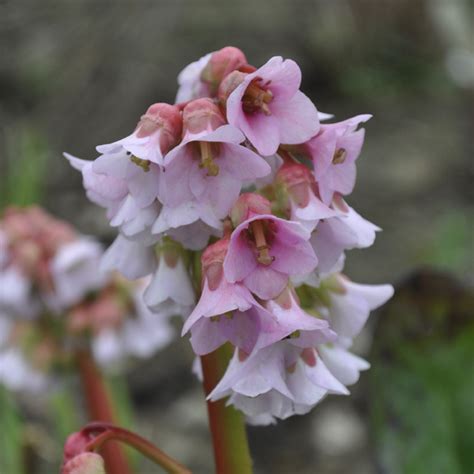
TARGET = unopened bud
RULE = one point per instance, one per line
(229, 84)
(297, 180)
(222, 63)
(212, 261)
(249, 205)
(163, 117)
(201, 115)
(85, 463)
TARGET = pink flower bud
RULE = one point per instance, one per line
(222, 63)
(165, 117)
(200, 116)
(85, 463)
(229, 84)
(298, 181)
(75, 445)
(249, 205)
(212, 260)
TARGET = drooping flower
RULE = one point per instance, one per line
(277, 382)
(345, 231)
(202, 77)
(270, 109)
(297, 188)
(349, 304)
(209, 165)
(334, 151)
(170, 291)
(265, 250)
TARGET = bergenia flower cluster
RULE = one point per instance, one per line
(241, 175)
(54, 302)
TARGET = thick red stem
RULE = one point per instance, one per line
(99, 407)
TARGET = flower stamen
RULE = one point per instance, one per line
(207, 159)
(256, 98)
(339, 156)
(263, 255)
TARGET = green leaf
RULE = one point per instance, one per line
(11, 427)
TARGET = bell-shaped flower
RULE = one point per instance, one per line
(334, 151)
(209, 165)
(264, 251)
(189, 81)
(131, 258)
(344, 365)
(202, 78)
(277, 381)
(347, 230)
(227, 311)
(349, 304)
(297, 190)
(268, 107)
(191, 224)
(170, 290)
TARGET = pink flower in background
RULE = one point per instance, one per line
(270, 109)
(334, 151)
(75, 272)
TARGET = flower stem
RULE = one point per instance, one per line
(140, 444)
(99, 407)
(229, 438)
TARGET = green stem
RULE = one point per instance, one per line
(229, 438)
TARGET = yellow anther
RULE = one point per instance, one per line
(143, 164)
(339, 156)
(207, 160)
(215, 319)
(295, 334)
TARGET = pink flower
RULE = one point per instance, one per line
(345, 366)
(227, 311)
(270, 109)
(74, 271)
(157, 132)
(299, 190)
(350, 303)
(276, 382)
(264, 250)
(347, 230)
(170, 290)
(202, 78)
(189, 81)
(209, 165)
(114, 182)
(133, 259)
(141, 334)
(191, 224)
(334, 151)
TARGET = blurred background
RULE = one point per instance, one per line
(75, 74)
